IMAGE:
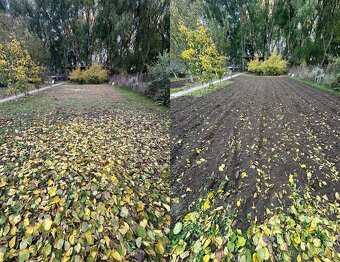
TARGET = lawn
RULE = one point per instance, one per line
(84, 174)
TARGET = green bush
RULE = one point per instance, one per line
(159, 90)
(96, 74)
(159, 87)
(273, 65)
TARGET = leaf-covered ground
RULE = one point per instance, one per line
(82, 179)
(253, 142)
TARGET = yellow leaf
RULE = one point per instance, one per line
(238, 203)
(219, 242)
(244, 174)
(52, 191)
(55, 200)
(47, 224)
(71, 239)
(107, 240)
(12, 242)
(221, 167)
(116, 255)
(29, 230)
(143, 223)
(26, 222)
(297, 239)
(114, 180)
(159, 248)
(317, 242)
(206, 205)
(206, 258)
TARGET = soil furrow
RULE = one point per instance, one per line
(263, 130)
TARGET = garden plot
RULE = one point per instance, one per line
(249, 151)
(84, 175)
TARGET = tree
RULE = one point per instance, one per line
(17, 68)
(303, 31)
(122, 35)
(186, 12)
(201, 54)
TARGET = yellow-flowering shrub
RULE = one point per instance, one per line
(96, 74)
(273, 65)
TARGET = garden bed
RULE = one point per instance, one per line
(243, 149)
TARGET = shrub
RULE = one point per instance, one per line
(159, 90)
(96, 74)
(161, 68)
(273, 65)
(159, 87)
(255, 66)
(76, 76)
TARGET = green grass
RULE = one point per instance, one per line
(182, 88)
(209, 89)
(141, 99)
(323, 87)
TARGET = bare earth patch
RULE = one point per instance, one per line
(249, 139)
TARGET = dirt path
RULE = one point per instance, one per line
(264, 130)
(6, 99)
(195, 88)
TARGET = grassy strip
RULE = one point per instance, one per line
(182, 88)
(209, 89)
(141, 99)
(303, 233)
(323, 87)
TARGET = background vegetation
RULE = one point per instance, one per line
(121, 35)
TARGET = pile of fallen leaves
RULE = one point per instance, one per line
(308, 231)
(87, 187)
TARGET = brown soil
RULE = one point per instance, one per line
(266, 127)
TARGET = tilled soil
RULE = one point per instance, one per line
(264, 130)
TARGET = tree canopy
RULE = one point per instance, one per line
(122, 35)
(303, 31)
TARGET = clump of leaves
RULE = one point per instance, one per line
(93, 188)
(304, 233)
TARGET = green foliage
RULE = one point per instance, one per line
(123, 36)
(161, 68)
(159, 87)
(335, 78)
(159, 90)
(96, 74)
(304, 233)
(273, 65)
(243, 28)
